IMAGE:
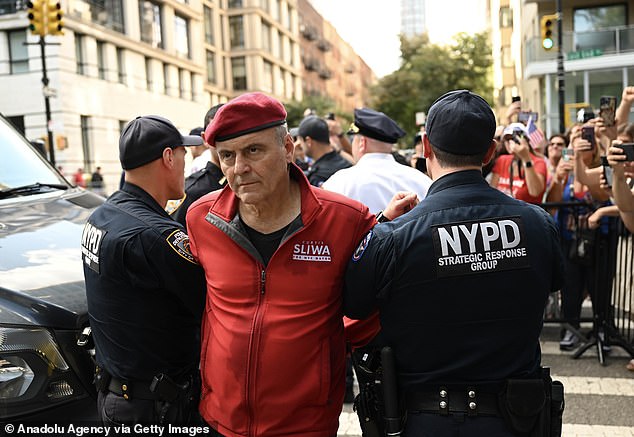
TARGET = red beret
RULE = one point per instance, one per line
(248, 113)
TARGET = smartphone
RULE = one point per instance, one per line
(607, 109)
(523, 116)
(628, 149)
(515, 99)
(567, 154)
(607, 171)
(587, 133)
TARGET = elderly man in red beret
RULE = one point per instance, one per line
(274, 250)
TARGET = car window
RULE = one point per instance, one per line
(20, 164)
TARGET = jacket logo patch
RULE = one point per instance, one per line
(179, 242)
(480, 246)
(91, 240)
(358, 253)
(311, 251)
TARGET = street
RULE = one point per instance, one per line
(599, 399)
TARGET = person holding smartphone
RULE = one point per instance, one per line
(522, 173)
(623, 171)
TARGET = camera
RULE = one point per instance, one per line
(330, 116)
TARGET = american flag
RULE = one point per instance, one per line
(536, 136)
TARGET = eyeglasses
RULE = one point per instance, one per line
(557, 144)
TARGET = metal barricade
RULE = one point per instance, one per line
(612, 278)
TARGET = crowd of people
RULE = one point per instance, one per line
(288, 246)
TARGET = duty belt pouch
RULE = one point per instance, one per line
(521, 403)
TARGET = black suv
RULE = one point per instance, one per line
(46, 362)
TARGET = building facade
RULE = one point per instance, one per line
(119, 59)
(413, 17)
(598, 53)
(331, 66)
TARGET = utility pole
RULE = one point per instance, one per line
(47, 106)
(561, 79)
(45, 18)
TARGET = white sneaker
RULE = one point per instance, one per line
(569, 342)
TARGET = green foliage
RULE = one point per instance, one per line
(319, 104)
(429, 70)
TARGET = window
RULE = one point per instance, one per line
(236, 31)
(599, 17)
(107, 13)
(209, 25)
(121, 65)
(101, 60)
(148, 74)
(181, 83)
(239, 73)
(166, 79)
(211, 67)
(235, 4)
(181, 36)
(266, 37)
(506, 17)
(80, 58)
(267, 80)
(275, 9)
(287, 17)
(150, 23)
(18, 53)
(86, 144)
(264, 4)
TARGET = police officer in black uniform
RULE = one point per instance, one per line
(205, 180)
(461, 282)
(315, 138)
(144, 289)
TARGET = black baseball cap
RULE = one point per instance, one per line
(144, 139)
(314, 127)
(461, 123)
(375, 124)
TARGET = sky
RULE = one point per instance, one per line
(371, 27)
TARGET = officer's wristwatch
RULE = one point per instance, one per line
(527, 164)
(381, 218)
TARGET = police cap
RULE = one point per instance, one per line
(377, 125)
(314, 127)
(461, 123)
(144, 139)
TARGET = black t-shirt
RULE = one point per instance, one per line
(266, 244)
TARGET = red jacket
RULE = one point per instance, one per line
(273, 348)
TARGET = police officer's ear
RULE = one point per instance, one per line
(490, 153)
(168, 157)
(426, 146)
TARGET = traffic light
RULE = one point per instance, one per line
(547, 23)
(54, 24)
(36, 17)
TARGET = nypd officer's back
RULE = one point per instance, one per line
(145, 292)
(460, 281)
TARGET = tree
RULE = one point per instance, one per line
(429, 70)
(319, 104)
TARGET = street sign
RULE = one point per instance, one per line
(582, 54)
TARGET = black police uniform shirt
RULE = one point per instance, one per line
(198, 184)
(326, 166)
(461, 282)
(144, 289)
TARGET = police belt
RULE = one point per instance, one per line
(132, 390)
(469, 400)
